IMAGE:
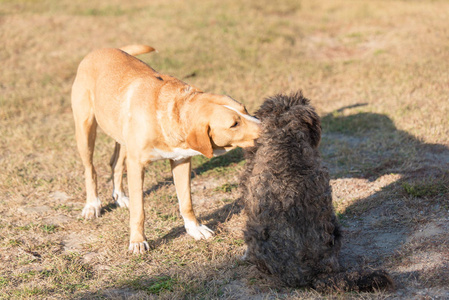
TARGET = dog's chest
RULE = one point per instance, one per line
(175, 154)
(178, 153)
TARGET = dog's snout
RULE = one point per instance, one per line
(257, 129)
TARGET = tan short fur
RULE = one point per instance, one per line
(151, 116)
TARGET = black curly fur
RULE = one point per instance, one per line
(292, 231)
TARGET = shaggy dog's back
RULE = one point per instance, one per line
(292, 231)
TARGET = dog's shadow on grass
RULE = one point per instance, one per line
(367, 146)
(361, 145)
(220, 215)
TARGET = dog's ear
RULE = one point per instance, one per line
(198, 139)
(314, 124)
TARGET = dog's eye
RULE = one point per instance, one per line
(236, 123)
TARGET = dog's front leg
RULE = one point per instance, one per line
(138, 243)
(181, 177)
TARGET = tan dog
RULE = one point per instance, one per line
(151, 116)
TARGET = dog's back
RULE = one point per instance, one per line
(292, 231)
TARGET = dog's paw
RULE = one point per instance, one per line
(92, 210)
(139, 248)
(198, 232)
(244, 257)
(121, 199)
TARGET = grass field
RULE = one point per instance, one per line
(376, 71)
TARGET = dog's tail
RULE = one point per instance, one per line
(358, 281)
(137, 49)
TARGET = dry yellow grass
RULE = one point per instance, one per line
(377, 71)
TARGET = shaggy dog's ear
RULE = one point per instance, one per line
(314, 125)
(198, 139)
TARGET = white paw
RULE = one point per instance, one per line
(198, 231)
(121, 199)
(92, 210)
(244, 257)
(139, 248)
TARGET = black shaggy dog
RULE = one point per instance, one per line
(292, 232)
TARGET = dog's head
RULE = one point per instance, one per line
(291, 113)
(221, 124)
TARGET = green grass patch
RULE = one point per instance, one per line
(25, 227)
(64, 207)
(3, 281)
(28, 292)
(167, 217)
(49, 228)
(160, 284)
(14, 242)
(155, 286)
(425, 189)
(226, 188)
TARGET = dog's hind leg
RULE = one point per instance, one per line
(117, 165)
(86, 132)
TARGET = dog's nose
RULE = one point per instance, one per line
(258, 130)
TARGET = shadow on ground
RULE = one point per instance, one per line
(365, 150)
(211, 220)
